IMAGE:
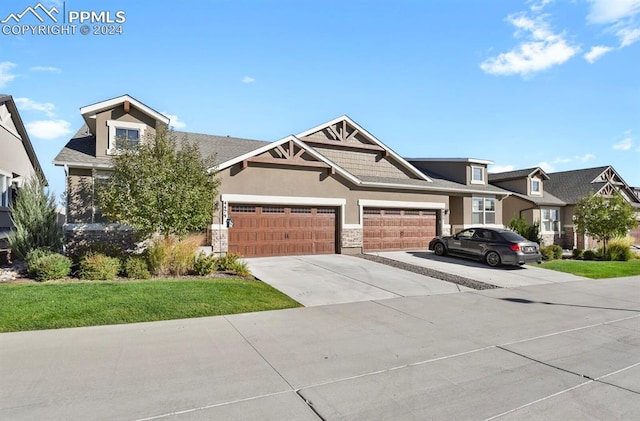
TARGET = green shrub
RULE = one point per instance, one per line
(530, 232)
(577, 253)
(171, 255)
(44, 266)
(619, 249)
(547, 252)
(589, 255)
(36, 254)
(231, 262)
(240, 268)
(97, 266)
(557, 251)
(35, 220)
(204, 264)
(136, 268)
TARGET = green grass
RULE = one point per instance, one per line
(595, 269)
(75, 304)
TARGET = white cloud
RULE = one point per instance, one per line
(501, 168)
(584, 158)
(619, 16)
(538, 5)
(248, 79)
(48, 129)
(49, 69)
(611, 11)
(546, 167)
(541, 49)
(5, 73)
(175, 122)
(28, 104)
(624, 145)
(628, 36)
(596, 52)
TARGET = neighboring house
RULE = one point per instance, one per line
(550, 198)
(18, 161)
(532, 200)
(481, 203)
(334, 188)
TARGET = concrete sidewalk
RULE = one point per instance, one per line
(556, 351)
(504, 276)
(336, 278)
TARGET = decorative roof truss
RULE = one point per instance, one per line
(288, 153)
(608, 176)
(343, 134)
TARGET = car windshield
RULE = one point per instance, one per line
(512, 236)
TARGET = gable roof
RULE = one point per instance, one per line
(514, 175)
(8, 101)
(369, 137)
(80, 151)
(90, 111)
(570, 186)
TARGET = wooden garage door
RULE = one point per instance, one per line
(398, 229)
(261, 230)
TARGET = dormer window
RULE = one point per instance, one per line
(477, 175)
(536, 186)
(127, 138)
(124, 135)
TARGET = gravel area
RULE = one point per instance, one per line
(421, 270)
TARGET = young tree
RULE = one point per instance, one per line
(604, 217)
(35, 220)
(160, 186)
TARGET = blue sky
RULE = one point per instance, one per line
(521, 83)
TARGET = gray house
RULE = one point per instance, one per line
(18, 161)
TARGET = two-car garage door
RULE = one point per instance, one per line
(398, 229)
(274, 230)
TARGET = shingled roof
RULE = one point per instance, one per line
(514, 175)
(81, 149)
(572, 185)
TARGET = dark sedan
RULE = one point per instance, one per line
(495, 246)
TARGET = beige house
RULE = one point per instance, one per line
(18, 161)
(549, 199)
(334, 188)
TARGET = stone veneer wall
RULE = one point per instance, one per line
(351, 238)
(81, 237)
(219, 240)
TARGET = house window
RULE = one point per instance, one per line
(124, 135)
(535, 186)
(5, 190)
(550, 220)
(127, 138)
(477, 175)
(483, 210)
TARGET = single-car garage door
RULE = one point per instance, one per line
(266, 230)
(398, 229)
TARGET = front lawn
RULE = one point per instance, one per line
(595, 269)
(75, 304)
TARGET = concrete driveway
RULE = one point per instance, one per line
(504, 276)
(336, 278)
(558, 351)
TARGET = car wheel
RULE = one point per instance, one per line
(492, 258)
(439, 249)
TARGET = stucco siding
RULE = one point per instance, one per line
(14, 158)
(118, 114)
(290, 182)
